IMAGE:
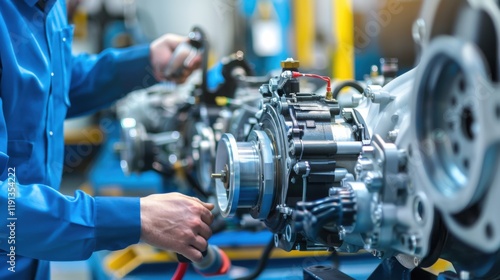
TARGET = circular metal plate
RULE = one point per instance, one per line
(227, 156)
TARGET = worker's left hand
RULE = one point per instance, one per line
(161, 51)
(173, 221)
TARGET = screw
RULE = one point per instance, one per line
(358, 168)
(218, 176)
(393, 134)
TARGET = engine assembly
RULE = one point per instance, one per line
(405, 170)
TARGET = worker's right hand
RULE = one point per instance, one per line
(161, 51)
(176, 222)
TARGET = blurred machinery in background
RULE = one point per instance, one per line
(407, 171)
(177, 131)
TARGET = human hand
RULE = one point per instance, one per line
(176, 222)
(161, 51)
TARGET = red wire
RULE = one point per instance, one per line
(324, 78)
(180, 271)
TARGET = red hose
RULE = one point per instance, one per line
(180, 271)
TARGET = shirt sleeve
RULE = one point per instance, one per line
(99, 80)
(37, 221)
(44, 224)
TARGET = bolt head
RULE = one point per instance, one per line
(290, 63)
(264, 89)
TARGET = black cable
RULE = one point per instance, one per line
(344, 84)
(335, 259)
(262, 262)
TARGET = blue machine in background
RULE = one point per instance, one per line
(267, 32)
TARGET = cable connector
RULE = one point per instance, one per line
(216, 262)
(294, 74)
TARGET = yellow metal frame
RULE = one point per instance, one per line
(343, 55)
(90, 135)
(440, 266)
(120, 263)
(343, 32)
(305, 30)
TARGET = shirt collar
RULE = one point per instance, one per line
(49, 5)
(31, 2)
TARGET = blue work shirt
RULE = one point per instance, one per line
(41, 84)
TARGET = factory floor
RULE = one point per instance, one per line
(78, 270)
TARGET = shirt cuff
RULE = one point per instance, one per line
(117, 222)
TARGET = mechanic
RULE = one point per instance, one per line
(41, 84)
